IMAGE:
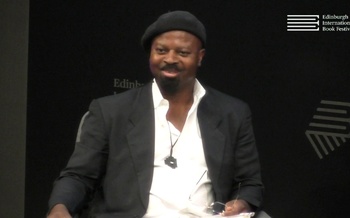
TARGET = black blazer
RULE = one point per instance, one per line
(114, 154)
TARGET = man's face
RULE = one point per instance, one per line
(174, 59)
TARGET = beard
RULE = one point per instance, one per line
(169, 85)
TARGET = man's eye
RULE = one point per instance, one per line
(184, 53)
(160, 50)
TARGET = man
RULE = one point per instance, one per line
(168, 149)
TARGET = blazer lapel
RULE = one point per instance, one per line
(213, 139)
(141, 140)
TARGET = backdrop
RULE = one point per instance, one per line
(292, 70)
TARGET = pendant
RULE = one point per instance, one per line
(171, 162)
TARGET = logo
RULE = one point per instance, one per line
(123, 84)
(303, 23)
(330, 127)
(322, 23)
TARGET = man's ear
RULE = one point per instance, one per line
(201, 56)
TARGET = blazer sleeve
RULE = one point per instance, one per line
(248, 185)
(87, 164)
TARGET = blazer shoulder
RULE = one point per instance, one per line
(224, 100)
(127, 98)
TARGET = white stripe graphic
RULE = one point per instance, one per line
(302, 22)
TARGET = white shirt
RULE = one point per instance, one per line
(174, 190)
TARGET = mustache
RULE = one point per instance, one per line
(170, 67)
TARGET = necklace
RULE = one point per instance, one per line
(170, 160)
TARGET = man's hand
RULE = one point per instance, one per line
(59, 211)
(235, 207)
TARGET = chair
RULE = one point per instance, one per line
(261, 214)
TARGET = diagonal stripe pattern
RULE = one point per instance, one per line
(330, 127)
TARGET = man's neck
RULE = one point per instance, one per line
(179, 98)
(179, 105)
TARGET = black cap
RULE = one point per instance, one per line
(175, 20)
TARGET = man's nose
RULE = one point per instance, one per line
(171, 58)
